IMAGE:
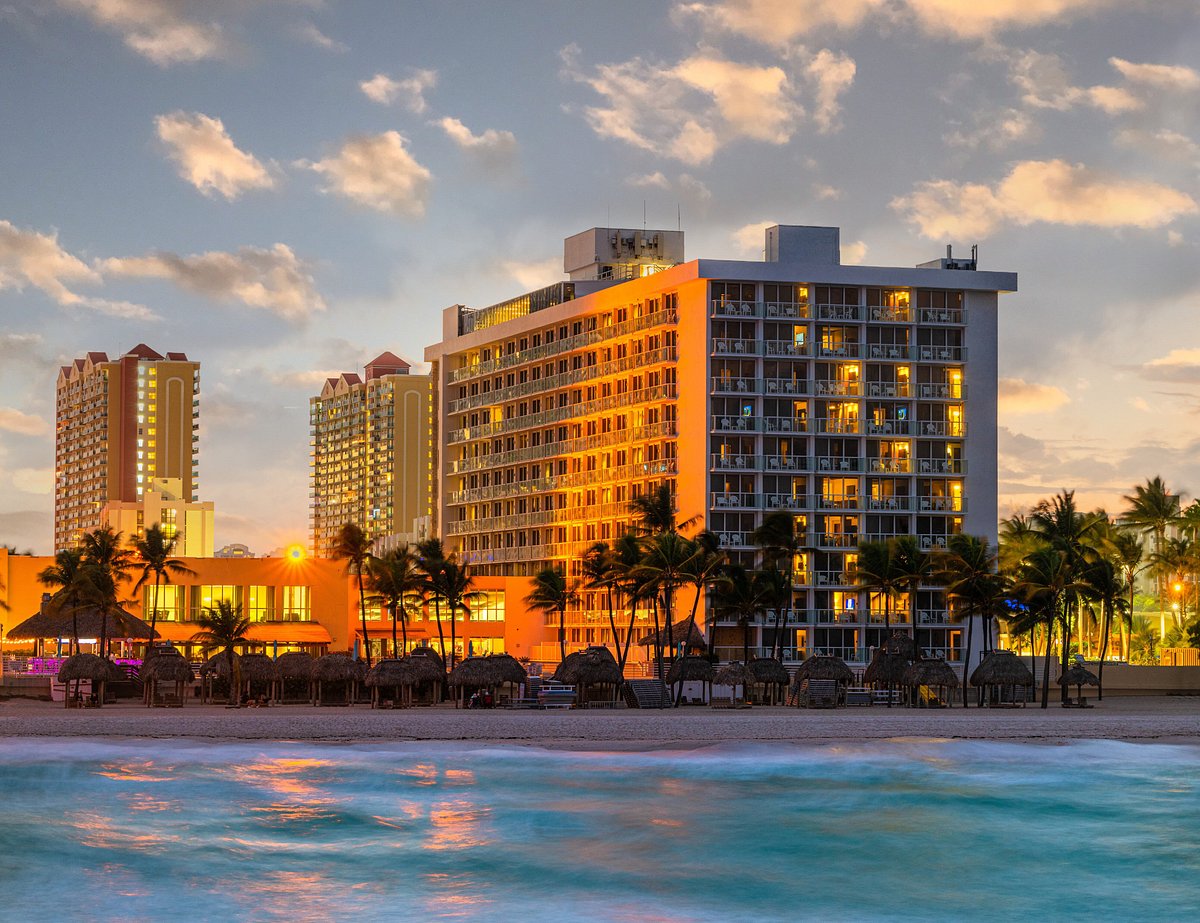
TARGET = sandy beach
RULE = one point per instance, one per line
(1160, 719)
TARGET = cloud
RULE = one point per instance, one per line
(691, 109)
(983, 18)
(206, 156)
(1015, 395)
(854, 253)
(779, 22)
(1054, 192)
(493, 148)
(826, 193)
(833, 73)
(536, 274)
(274, 280)
(750, 239)
(656, 180)
(690, 185)
(157, 29)
(1182, 365)
(1158, 76)
(1044, 84)
(307, 32)
(409, 92)
(39, 481)
(377, 171)
(24, 424)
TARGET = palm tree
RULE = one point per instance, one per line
(703, 571)
(224, 626)
(1126, 552)
(1152, 509)
(655, 511)
(107, 562)
(968, 569)
(550, 593)
(1043, 582)
(600, 572)
(155, 550)
(780, 543)
(1103, 582)
(630, 583)
(663, 567)
(353, 545)
(64, 576)
(912, 567)
(396, 581)
(1172, 564)
(455, 587)
(431, 558)
(875, 572)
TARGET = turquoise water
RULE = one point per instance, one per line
(891, 830)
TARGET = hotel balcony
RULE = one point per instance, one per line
(942, 353)
(949, 428)
(953, 316)
(842, 312)
(734, 500)
(941, 466)
(878, 314)
(782, 386)
(837, 388)
(931, 391)
(841, 350)
(942, 504)
(571, 446)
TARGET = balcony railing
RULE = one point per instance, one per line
(848, 388)
(941, 504)
(941, 466)
(889, 428)
(885, 315)
(889, 465)
(836, 463)
(932, 391)
(547, 449)
(837, 425)
(901, 389)
(840, 350)
(785, 424)
(941, 316)
(893, 352)
(942, 353)
(850, 312)
(954, 429)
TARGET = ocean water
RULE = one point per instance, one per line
(902, 830)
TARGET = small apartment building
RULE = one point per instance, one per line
(860, 399)
(294, 604)
(190, 523)
(371, 453)
(119, 424)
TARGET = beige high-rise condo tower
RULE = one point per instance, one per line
(121, 424)
(371, 461)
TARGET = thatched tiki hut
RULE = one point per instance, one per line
(486, 673)
(733, 675)
(295, 673)
(888, 665)
(218, 669)
(56, 620)
(772, 675)
(79, 667)
(399, 676)
(165, 667)
(1002, 678)
(260, 677)
(693, 641)
(934, 674)
(336, 670)
(432, 669)
(1078, 676)
(821, 668)
(691, 669)
(592, 671)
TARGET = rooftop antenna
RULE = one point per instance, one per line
(975, 253)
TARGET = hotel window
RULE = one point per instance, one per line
(209, 596)
(168, 602)
(258, 603)
(295, 604)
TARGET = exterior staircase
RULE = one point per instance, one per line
(646, 693)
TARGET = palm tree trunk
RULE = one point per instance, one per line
(612, 619)
(745, 639)
(395, 650)
(1066, 652)
(437, 613)
(362, 608)
(235, 677)
(687, 634)
(967, 658)
(1046, 664)
(154, 612)
(453, 637)
(657, 642)
(404, 630)
(1103, 650)
(562, 633)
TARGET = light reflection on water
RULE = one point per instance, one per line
(902, 830)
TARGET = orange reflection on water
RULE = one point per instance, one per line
(293, 895)
(453, 895)
(465, 776)
(114, 878)
(311, 809)
(281, 776)
(134, 772)
(100, 832)
(421, 773)
(150, 805)
(456, 825)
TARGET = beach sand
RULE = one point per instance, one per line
(1162, 719)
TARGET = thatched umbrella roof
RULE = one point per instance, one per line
(590, 667)
(1078, 675)
(88, 666)
(430, 654)
(822, 667)
(930, 673)
(425, 669)
(218, 663)
(678, 631)
(885, 669)
(900, 645)
(167, 668)
(295, 665)
(55, 621)
(690, 668)
(1002, 668)
(768, 670)
(389, 673)
(733, 674)
(488, 671)
(259, 668)
(338, 667)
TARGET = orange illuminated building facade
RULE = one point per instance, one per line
(294, 603)
(120, 425)
(862, 400)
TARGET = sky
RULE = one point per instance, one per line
(283, 189)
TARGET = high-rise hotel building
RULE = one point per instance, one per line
(861, 399)
(371, 453)
(122, 424)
